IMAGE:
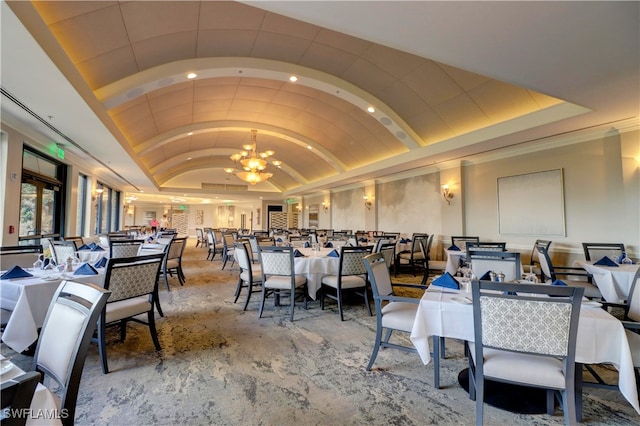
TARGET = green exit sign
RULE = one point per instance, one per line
(61, 153)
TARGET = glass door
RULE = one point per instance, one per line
(38, 208)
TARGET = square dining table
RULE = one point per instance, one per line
(29, 298)
(601, 337)
(614, 282)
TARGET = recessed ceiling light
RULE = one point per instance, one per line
(190, 134)
(192, 75)
(293, 79)
(371, 109)
(309, 147)
(188, 158)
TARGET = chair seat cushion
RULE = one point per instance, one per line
(348, 281)
(438, 265)
(284, 282)
(257, 276)
(591, 291)
(522, 368)
(407, 256)
(128, 308)
(172, 263)
(399, 315)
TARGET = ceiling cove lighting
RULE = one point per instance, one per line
(253, 162)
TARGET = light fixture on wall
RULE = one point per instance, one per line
(447, 194)
(325, 207)
(97, 192)
(367, 203)
(253, 162)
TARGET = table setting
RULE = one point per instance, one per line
(613, 278)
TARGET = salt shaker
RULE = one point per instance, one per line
(69, 264)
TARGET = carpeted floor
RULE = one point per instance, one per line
(222, 366)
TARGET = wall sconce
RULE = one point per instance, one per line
(446, 194)
(97, 192)
(325, 207)
(367, 203)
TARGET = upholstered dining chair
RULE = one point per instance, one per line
(595, 251)
(133, 283)
(416, 257)
(504, 262)
(17, 394)
(250, 276)
(538, 350)
(200, 240)
(228, 239)
(173, 261)
(534, 262)
(578, 277)
(77, 240)
(124, 248)
(279, 277)
(65, 338)
(393, 313)
(62, 250)
(461, 241)
(388, 250)
(352, 278)
(23, 256)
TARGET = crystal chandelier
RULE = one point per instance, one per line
(253, 162)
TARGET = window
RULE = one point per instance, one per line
(81, 208)
(41, 197)
(108, 209)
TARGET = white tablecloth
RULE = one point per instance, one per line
(29, 300)
(613, 282)
(601, 337)
(453, 260)
(44, 402)
(315, 266)
(91, 256)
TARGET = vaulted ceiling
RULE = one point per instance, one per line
(130, 63)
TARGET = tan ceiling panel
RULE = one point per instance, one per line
(92, 34)
(290, 27)
(256, 93)
(154, 157)
(432, 84)
(352, 45)
(171, 118)
(544, 101)
(429, 126)
(165, 49)
(501, 101)
(328, 59)
(279, 47)
(53, 12)
(465, 79)
(146, 20)
(248, 106)
(175, 150)
(395, 62)
(211, 110)
(107, 68)
(210, 93)
(403, 99)
(182, 98)
(369, 78)
(226, 15)
(222, 43)
(291, 99)
(462, 114)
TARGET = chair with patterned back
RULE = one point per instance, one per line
(461, 241)
(17, 394)
(228, 239)
(65, 337)
(537, 350)
(124, 248)
(76, 240)
(62, 250)
(393, 313)
(250, 276)
(388, 250)
(133, 283)
(577, 277)
(279, 277)
(352, 278)
(200, 240)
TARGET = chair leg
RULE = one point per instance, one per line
(339, 297)
(479, 391)
(264, 295)
(550, 401)
(366, 300)
(249, 291)
(156, 301)
(102, 345)
(152, 329)
(166, 281)
(238, 290)
(224, 260)
(123, 330)
(376, 346)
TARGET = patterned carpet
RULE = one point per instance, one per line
(222, 366)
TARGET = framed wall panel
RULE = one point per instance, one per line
(532, 204)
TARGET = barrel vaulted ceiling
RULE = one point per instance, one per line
(130, 61)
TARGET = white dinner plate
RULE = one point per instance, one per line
(5, 366)
(51, 278)
(463, 300)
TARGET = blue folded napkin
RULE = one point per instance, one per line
(559, 282)
(85, 269)
(84, 247)
(363, 240)
(298, 253)
(454, 248)
(279, 239)
(447, 281)
(328, 245)
(15, 272)
(93, 245)
(402, 241)
(97, 248)
(307, 245)
(605, 261)
(486, 276)
(101, 263)
(333, 253)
